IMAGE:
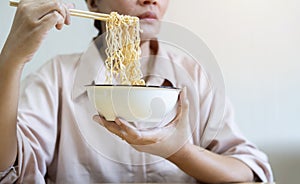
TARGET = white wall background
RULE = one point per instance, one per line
(257, 45)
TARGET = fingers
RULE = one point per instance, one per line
(132, 135)
(137, 137)
(32, 22)
(98, 119)
(125, 131)
(64, 11)
(183, 96)
(128, 128)
(183, 102)
(47, 13)
(110, 126)
(58, 14)
(52, 19)
(68, 17)
(182, 108)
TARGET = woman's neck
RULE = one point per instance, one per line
(145, 48)
(149, 47)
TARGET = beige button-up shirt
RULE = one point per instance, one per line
(58, 142)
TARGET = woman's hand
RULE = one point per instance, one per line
(163, 141)
(33, 19)
(32, 22)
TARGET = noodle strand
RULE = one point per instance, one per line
(123, 50)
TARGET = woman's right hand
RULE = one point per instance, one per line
(162, 141)
(31, 24)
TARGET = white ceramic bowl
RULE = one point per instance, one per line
(144, 106)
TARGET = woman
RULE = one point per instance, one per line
(46, 135)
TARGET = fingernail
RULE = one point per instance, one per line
(98, 119)
(117, 120)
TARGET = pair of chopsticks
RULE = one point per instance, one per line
(75, 12)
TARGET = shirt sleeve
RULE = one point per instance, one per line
(12, 174)
(229, 141)
(9, 176)
(216, 129)
(36, 127)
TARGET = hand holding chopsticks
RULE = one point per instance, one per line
(75, 12)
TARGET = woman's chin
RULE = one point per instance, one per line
(147, 36)
(149, 31)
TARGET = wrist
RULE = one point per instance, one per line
(181, 154)
(184, 153)
(10, 64)
(11, 56)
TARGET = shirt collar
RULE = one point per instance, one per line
(90, 66)
(160, 64)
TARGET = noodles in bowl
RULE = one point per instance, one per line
(125, 95)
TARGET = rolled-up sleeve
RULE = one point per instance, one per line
(217, 130)
(36, 127)
(229, 141)
(12, 174)
(9, 176)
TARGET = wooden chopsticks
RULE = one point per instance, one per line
(75, 12)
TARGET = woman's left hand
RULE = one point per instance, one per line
(162, 141)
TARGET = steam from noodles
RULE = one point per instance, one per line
(123, 50)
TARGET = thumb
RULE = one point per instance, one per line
(183, 101)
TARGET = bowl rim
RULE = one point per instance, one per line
(138, 86)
